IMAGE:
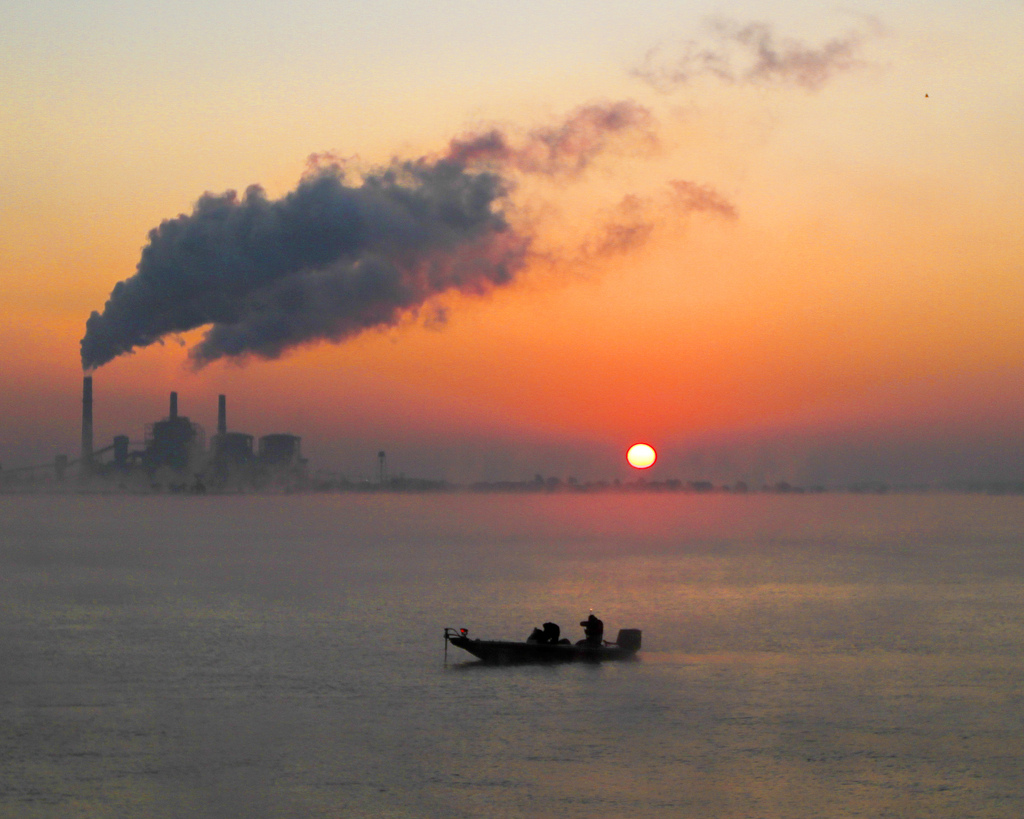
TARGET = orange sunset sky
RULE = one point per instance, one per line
(804, 261)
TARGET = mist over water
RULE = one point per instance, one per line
(282, 656)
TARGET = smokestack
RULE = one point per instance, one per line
(87, 421)
(222, 414)
(174, 405)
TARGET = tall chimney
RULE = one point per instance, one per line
(87, 421)
(222, 414)
(174, 405)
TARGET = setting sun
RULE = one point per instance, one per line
(641, 456)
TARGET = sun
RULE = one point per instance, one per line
(641, 456)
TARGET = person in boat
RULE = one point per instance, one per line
(593, 629)
(548, 635)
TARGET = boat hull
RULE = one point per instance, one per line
(507, 652)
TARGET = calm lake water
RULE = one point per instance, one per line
(804, 656)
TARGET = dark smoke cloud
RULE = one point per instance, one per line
(751, 53)
(326, 261)
(334, 257)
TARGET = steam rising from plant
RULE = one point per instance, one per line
(326, 261)
(339, 255)
(346, 252)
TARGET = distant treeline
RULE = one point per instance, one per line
(28, 481)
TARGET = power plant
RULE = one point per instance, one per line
(173, 454)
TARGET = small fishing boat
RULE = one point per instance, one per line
(508, 652)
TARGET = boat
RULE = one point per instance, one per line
(508, 652)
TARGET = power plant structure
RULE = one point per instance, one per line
(87, 421)
(174, 453)
(174, 442)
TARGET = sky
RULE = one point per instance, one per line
(778, 241)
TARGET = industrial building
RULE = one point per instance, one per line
(174, 454)
(280, 450)
(174, 442)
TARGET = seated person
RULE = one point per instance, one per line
(537, 636)
(551, 633)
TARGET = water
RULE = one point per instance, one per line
(826, 656)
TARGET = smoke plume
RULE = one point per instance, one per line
(751, 53)
(326, 261)
(335, 256)
(635, 218)
(563, 150)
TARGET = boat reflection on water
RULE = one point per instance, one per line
(508, 652)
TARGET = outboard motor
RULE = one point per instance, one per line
(629, 639)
